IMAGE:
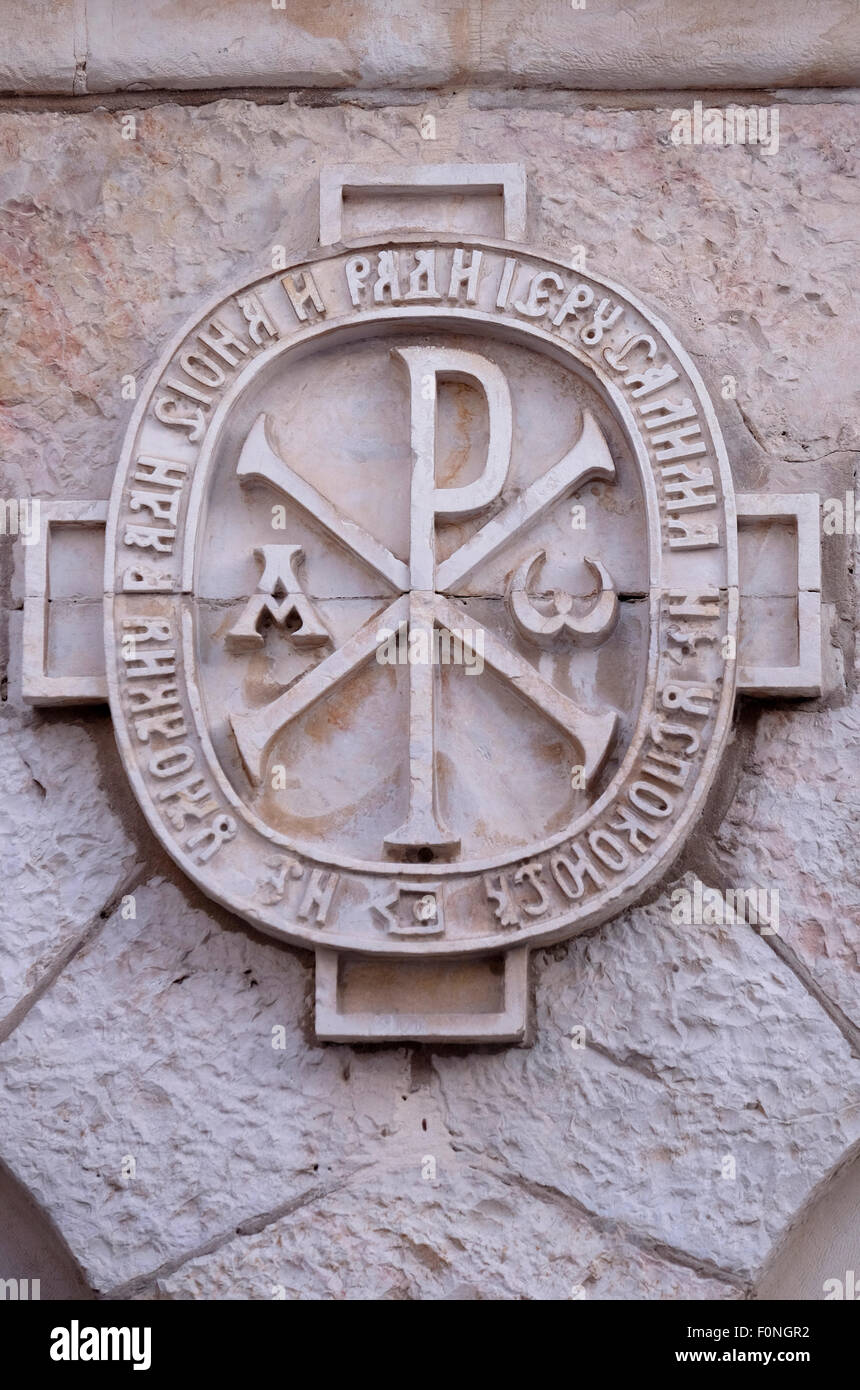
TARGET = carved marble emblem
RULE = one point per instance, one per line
(422, 614)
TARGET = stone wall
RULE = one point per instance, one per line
(304, 1170)
(115, 45)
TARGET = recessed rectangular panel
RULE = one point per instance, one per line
(75, 638)
(372, 212)
(779, 545)
(421, 986)
(362, 998)
(479, 199)
(767, 556)
(63, 654)
(76, 560)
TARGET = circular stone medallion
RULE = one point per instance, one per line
(422, 599)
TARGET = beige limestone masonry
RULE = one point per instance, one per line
(81, 46)
(151, 1036)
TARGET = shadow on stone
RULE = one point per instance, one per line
(31, 1247)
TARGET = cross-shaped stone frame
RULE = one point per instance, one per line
(48, 680)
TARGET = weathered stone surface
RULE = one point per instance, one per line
(817, 1258)
(156, 1042)
(793, 827)
(41, 57)
(64, 852)
(700, 1045)
(108, 245)
(99, 45)
(465, 1235)
(752, 266)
